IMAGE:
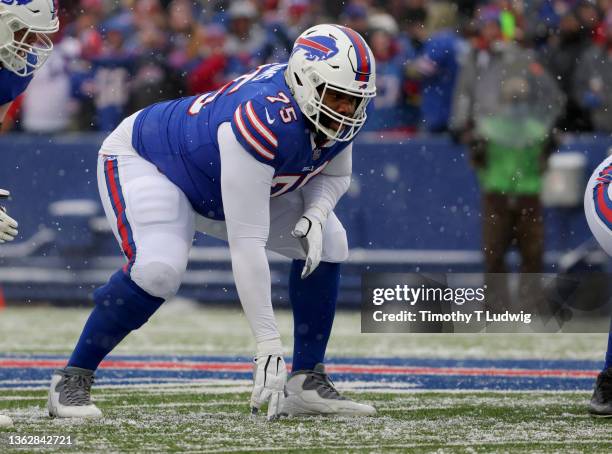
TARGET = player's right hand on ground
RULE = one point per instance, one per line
(270, 376)
(8, 225)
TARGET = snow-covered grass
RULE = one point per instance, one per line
(139, 420)
(181, 327)
(213, 416)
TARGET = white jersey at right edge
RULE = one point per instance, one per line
(598, 204)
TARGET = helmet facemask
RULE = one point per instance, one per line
(322, 115)
(23, 49)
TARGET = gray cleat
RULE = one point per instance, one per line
(311, 392)
(70, 394)
(601, 402)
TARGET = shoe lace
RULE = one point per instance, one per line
(78, 389)
(325, 386)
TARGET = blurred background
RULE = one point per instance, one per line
(490, 116)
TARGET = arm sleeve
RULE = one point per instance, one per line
(245, 190)
(322, 193)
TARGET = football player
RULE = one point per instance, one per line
(598, 210)
(261, 163)
(24, 47)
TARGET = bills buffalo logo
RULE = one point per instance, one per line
(317, 47)
(603, 203)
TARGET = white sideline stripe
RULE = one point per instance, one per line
(47, 275)
(25, 248)
(359, 256)
(222, 255)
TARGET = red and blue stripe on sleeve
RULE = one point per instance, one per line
(253, 133)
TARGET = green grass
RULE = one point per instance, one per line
(171, 419)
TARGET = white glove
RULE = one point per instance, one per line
(270, 376)
(310, 233)
(8, 225)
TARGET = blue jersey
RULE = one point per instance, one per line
(444, 50)
(11, 85)
(180, 137)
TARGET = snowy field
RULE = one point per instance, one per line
(181, 384)
(181, 327)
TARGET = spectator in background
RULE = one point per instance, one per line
(560, 56)
(437, 67)
(210, 72)
(148, 14)
(413, 32)
(246, 40)
(355, 16)
(284, 21)
(109, 78)
(411, 38)
(390, 111)
(183, 34)
(84, 31)
(590, 18)
(153, 78)
(594, 78)
(504, 109)
(296, 15)
(51, 84)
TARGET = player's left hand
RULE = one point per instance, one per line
(310, 233)
(270, 376)
(8, 225)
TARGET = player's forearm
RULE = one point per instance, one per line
(252, 276)
(322, 194)
(245, 189)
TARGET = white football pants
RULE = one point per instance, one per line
(154, 222)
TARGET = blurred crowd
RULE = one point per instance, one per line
(113, 57)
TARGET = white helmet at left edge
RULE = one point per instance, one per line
(331, 57)
(24, 28)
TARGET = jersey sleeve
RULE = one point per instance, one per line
(245, 188)
(257, 132)
(11, 85)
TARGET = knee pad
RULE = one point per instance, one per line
(125, 302)
(157, 279)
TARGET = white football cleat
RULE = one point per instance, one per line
(5, 421)
(311, 392)
(70, 394)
